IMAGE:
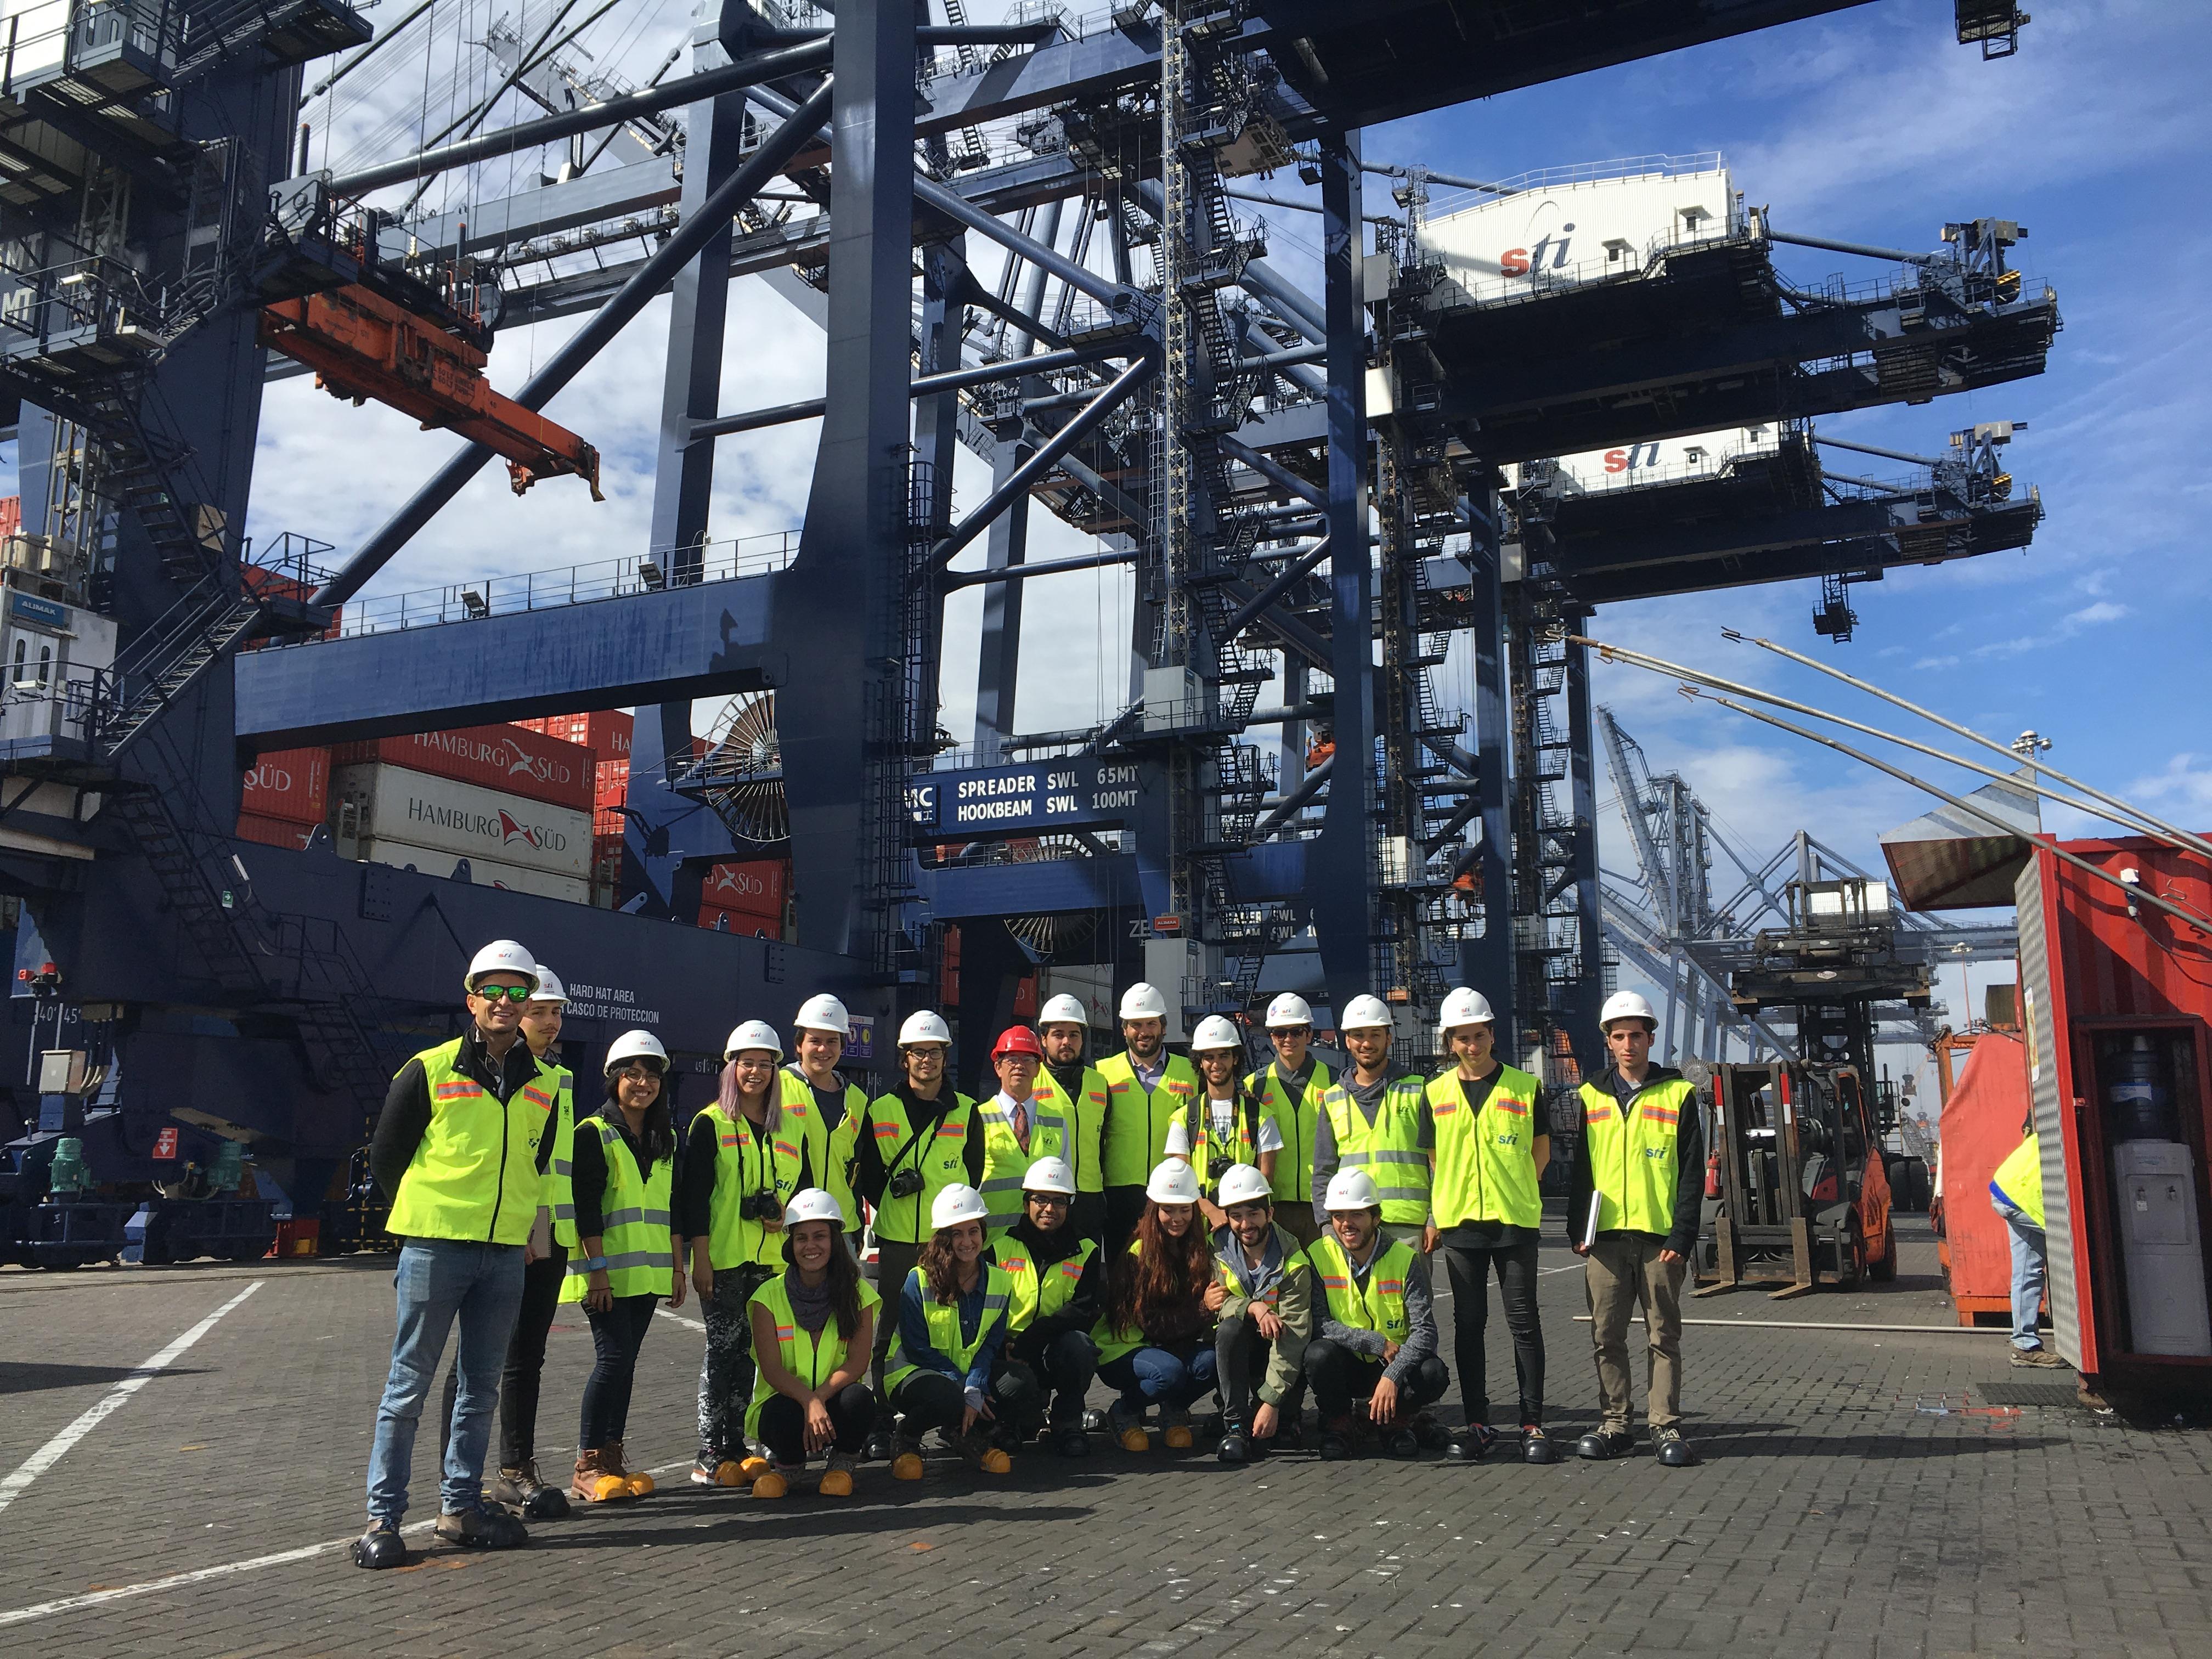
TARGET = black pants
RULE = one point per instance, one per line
(1470, 1270)
(931, 1399)
(783, 1422)
(1061, 1371)
(1240, 1366)
(617, 1335)
(1086, 1217)
(518, 1380)
(895, 1262)
(1125, 1208)
(1342, 1377)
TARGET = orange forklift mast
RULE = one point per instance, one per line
(427, 362)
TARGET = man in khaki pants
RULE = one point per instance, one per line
(1632, 1211)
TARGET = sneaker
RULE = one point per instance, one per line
(776, 1480)
(980, 1455)
(1402, 1441)
(906, 1458)
(837, 1480)
(482, 1529)
(1473, 1443)
(2041, 1358)
(1175, 1431)
(706, 1468)
(1605, 1443)
(1093, 1420)
(1129, 1429)
(520, 1489)
(1068, 1438)
(380, 1547)
(1234, 1447)
(1290, 1434)
(1536, 1446)
(1671, 1448)
(878, 1448)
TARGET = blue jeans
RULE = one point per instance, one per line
(438, 1280)
(1145, 1376)
(2029, 1258)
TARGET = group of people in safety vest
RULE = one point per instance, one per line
(1171, 1227)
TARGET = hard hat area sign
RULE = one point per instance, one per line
(1074, 790)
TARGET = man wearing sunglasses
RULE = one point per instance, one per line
(462, 1147)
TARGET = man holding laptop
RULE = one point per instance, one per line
(1632, 1212)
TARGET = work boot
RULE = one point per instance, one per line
(1536, 1446)
(634, 1485)
(594, 1481)
(1068, 1438)
(520, 1489)
(1402, 1441)
(380, 1547)
(1335, 1438)
(1235, 1447)
(482, 1529)
(878, 1448)
(1174, 1431)
(906, 1458)
(837, 1480)
(1609, 1440)
(1473, 1443)
(2041, 1358)
(1093, 1420)
(775, 1481)
(1129, 1429)
(977, 1452)
(1289, 1432)
(1674, 1451)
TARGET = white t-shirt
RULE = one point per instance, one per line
(1224, 1113)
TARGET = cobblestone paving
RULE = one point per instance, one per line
(1860, 1498)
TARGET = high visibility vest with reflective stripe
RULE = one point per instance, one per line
(1389, 1149)
(1632, 1162)
(939, 1156)
(1006, 1165)
(812, 1359)
(1136, 1136)
(1487, 1161)
(1228, 1266)
(633, 1240)
(747, 1160)
(1377, 1305)
(1293, 1182)
(833, 1148)
(1038, 1293)
(1208, 1158)
(474, 1175)
(1089, 1113)
(561, 1169)
(943, 1320)
(2018, 1180)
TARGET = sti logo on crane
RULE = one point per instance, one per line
(1527, 261)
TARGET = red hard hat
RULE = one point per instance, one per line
(1018, 1040)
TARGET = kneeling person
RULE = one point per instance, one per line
(1377, 1340)
(811, 1325)
(951, 1332)
(1266, 1310)
(1050, 1357)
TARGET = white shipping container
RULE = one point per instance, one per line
(378, 803)
(1663, 460)
(1567, 226)
(482, 871)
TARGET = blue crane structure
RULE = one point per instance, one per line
(1137, 366)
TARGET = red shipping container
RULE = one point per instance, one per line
(605, 733)
(948, 990)
(511, 759)
(740, 921)
(11, 515)
(291, 784)
(756, 887)
(275, 832)
(1025, 1002)
(1981, 1125)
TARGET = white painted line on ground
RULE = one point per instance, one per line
(1831, 1325)
(688, 1324)
(50, 1454)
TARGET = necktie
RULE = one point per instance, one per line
(1022, 1125)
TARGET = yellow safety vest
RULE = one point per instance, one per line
(633, 1241)
(561, 1169)
(1632, 1162)
(1293, 1181)
(1208, 1159)
(748, 1161)
(1006, 1165)
(2019, 1179)
(1485, 1166)
(812, 1359)
(940, 1156)
(943, 1319)
(1378, 1305)
(1228, 1265)
(475, 1174)
(833, 1148)
(1389, 1149)
(1037, 1295)
(1088, 1112)
(1137, 1119)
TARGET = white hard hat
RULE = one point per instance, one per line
(1064, 1010)
(502, 956)
(1625, 1005)
(812, 1204)
(1352, 1189)
(824, 1013)
(1242, 1184)
(1215, 1032)
(1465, 1007)
(1173, 1183)
(1289, 1009)
(1051, 1175)
(753, 1034)
(955, 1204)
(630, 1045)
(550, 988)
(927, 1025)
(1143, 1001)
(1363, 1011)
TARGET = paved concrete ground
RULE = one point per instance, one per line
(1861, 1497)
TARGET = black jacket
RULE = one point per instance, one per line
(1689, 1166)
(870, 1177)
(405, 1118)
(1047, 1250)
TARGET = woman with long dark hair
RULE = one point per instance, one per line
(952, 1337)
(1156, 1337)
(811, 1329)
(627, 1256)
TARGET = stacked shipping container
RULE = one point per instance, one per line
(286, 796)
(606, 734)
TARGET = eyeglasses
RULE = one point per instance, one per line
(1047, 1200)
(639, 1072)
(511, 992)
